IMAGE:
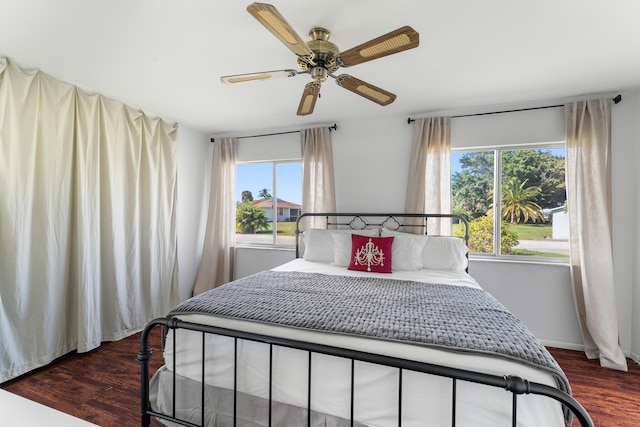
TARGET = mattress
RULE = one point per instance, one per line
(426, 398)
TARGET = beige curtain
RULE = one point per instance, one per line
(429, 181)
(216, 266)
(588, 160)
(87, 219)
(318, 186)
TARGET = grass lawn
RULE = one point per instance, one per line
(536, 253)
(524, 231)
(284, 229)
(287, 228)
(531, 231)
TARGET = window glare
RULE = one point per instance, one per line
(531, 218)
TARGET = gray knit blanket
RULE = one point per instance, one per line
(454, 318)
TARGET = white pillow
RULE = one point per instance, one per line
(319, 244)
(342, 245)
(407, 250)
(445, 253)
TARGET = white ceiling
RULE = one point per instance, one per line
(166, 56)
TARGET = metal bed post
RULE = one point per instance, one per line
(143, 357)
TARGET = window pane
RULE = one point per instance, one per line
(267, 208)
(254, 204)
(289, 190)
(533, 203)
(472, 176)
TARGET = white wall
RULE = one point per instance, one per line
(371, 162)
(194, 164)
(635, 259)
(625, 136)
(539, 294)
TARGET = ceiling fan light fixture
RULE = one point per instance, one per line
(319, 74)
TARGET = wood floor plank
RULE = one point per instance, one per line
(103, 386)
(611, 397)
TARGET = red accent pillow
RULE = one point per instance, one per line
(371, 253)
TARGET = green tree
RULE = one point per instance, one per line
(472, 186)
(540, 168)
(250, 219)
(481, 236)
(264, 194)
(247, 196)
(518, 202)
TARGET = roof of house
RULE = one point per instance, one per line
(266, 203)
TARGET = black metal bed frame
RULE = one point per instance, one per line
(516, 385)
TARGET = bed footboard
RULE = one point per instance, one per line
(513, 384)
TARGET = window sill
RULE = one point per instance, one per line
(265, 247)
(561, 262)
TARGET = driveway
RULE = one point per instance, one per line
(546, 245)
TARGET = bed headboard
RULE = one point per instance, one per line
(407, 222)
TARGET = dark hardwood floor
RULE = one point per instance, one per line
(612, 398)
(103, 386)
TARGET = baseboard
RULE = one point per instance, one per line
(564, 345)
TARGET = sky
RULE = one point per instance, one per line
(255, 177)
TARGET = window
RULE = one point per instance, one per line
(265, 188)
(531, 218)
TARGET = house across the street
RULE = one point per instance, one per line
(287, 211)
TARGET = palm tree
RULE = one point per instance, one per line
(518, 202)
(247, 196)
(264, 194)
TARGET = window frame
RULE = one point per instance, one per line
(496, 205)
(274, 171)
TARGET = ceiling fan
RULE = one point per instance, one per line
(320, 58)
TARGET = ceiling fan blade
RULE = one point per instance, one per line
(367, 90)
(269, 16)
(265, 75)
(396, 41)
(309, 97)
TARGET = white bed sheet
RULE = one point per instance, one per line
(425, 397)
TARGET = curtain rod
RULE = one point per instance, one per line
(334, 127)
(616, 100)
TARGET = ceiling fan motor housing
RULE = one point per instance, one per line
(325, 54)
